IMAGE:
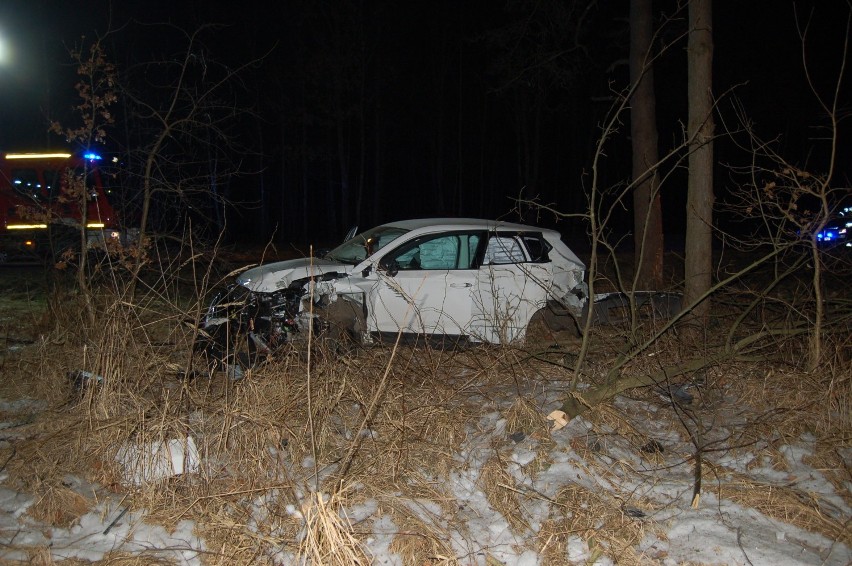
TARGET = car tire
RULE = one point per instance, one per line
(229, 349)
(344, 327)
(550, 320)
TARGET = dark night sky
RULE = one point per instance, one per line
(436, 105)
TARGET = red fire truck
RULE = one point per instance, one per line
(36, 216)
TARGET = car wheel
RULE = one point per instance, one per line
(551, 320)
(235, 350)
(343, 328)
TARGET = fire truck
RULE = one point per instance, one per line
(37, 217)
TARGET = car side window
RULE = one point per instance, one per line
(503, 249)
(524, 247)
(437, 252)
(537, 248)
(440, 253)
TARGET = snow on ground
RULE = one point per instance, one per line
(656, 491)
(105, 528)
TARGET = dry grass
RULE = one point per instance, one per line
(43, 557)
(597, 519)
(277, 447)
(59, 505)
(420, 543)
(790, 505)
(499, 488)
(327, 537)
(524, 416)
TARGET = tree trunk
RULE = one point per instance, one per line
(616, 382)
(699, 207)
(647, 214)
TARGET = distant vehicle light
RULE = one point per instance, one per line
(38, 155)
(92, 156)
(95, 225)
(26, 226)
(827, 235)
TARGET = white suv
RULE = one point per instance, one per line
(481, 280)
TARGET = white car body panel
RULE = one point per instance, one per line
(279, 275)
(506, 299)
(421, 302)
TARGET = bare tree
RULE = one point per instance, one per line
(96, 89)
(647, 210)
(699, 208)
(790, 205)
(184, 142)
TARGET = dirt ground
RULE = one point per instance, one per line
(23, 303)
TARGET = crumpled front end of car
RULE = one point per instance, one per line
(264, 321)
(242, 326)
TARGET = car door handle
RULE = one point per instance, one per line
(461, 285)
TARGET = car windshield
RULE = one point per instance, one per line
(365, 244)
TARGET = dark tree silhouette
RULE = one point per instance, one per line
(699, 210)
(647, 212)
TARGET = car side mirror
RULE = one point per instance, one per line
(391, 268)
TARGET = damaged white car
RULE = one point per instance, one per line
(466, 279)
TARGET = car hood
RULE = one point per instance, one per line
(279, 275)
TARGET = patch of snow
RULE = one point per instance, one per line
(97, 533)
(522, 456)
(158, 460)
(21, 405)
(378, 544)
(717, 532)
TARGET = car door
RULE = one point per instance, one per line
(425, 285)
(513, 282)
